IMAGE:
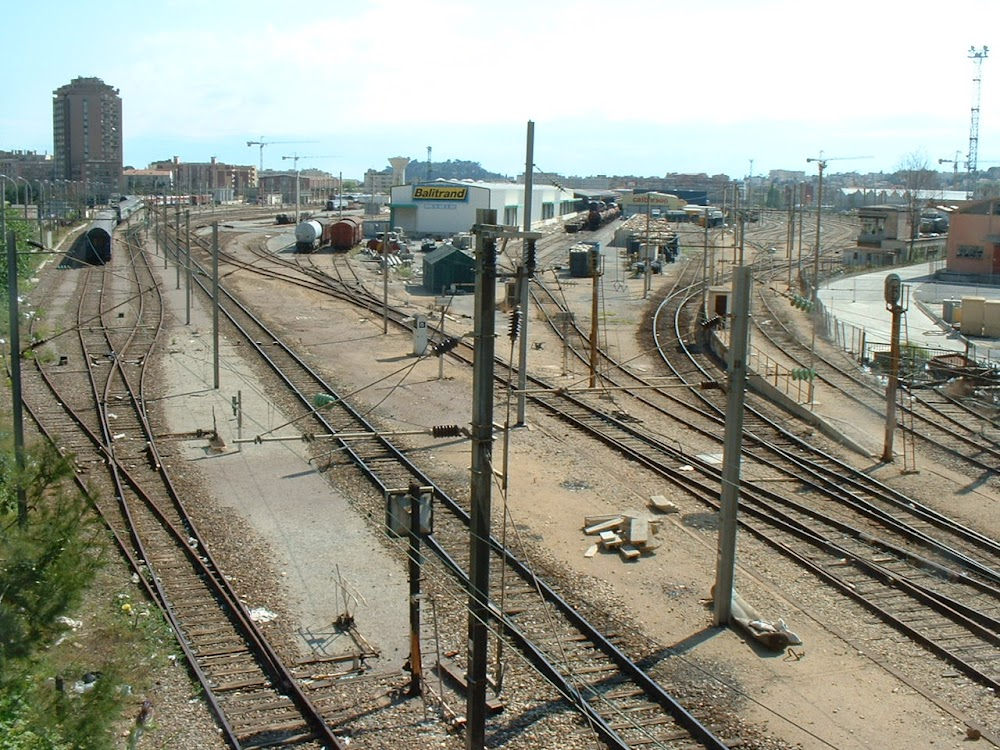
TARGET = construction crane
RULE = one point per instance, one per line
(261, 143)
(977, 56)
(956, 161)
(295, 164)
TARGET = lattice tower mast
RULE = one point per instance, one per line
(977, 56)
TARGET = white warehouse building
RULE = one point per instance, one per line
(446, 207)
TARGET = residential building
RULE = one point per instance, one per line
(87, 135)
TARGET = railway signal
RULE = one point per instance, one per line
(800, 302)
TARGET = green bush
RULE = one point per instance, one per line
(50, 698)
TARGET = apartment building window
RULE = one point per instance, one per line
(969, 251)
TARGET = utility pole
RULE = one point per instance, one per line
(295, 163)
(893, 303)
(415, 567)
(527, 269)
(725, 571)
(594, 263)
(15, 373)
(790, 240)
(481, 474)
(215, 304)
(187, 269)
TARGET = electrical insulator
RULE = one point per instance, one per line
(515, 324)
(531, 263)
(446, 431)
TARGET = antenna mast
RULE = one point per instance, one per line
(977, 56)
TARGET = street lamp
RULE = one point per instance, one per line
(821, 163)
(27, 191)
(41, 202)
(3, 209)
(295, 164)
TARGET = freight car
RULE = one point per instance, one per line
(346, 233)
(311, 235)
(600, 213)
(99, 237)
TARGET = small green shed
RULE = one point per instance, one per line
(448, 266)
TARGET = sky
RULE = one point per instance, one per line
(642, 87)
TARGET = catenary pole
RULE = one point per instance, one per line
(15, 375)
(187, 269)
(893, 295)
(481, 475)
(522, 365)
(215, 304)
(725, 570)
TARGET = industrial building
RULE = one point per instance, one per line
(974, 239)
(443, 208)
(87, 131)
(448, 269)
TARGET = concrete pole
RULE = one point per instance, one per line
(819, 213)
(187, 269)
(725, 571)
(296, 192)
(791, 237)
(27, 190)
(522, 365)
(481, 476)
(15, 374)
(415, 565)
(215, 304)
(3, 216)
(595, 275)
(704, 269)
(893, 290)
(802, 212)
(647, 269)
(385, 282)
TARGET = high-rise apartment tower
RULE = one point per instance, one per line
(87, 129)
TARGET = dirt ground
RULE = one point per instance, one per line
(852, 685)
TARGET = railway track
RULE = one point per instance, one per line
(253, 695)
(927, 541)
(967, 436)
(586, 666)
(834, 521)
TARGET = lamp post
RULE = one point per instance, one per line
(295, 165)
(821, 163)
(3, 208)
(15, 373)
(27, 192)
(41, 203)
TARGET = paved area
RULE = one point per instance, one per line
(859, 300)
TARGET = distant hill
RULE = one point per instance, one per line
(453, 169)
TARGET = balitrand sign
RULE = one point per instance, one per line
(440, 193)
